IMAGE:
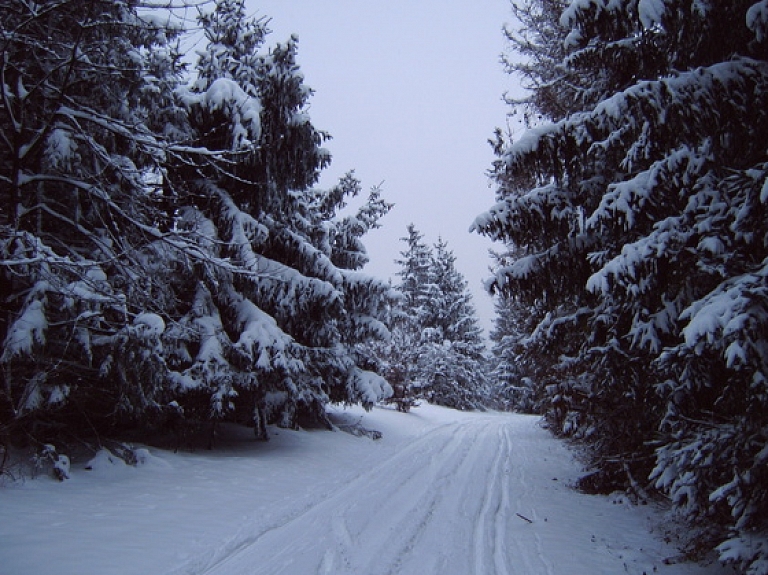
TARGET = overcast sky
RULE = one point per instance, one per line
(410, 90)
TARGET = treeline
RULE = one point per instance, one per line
(635, 210)
(436, 351)
(165, 255)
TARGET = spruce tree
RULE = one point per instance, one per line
(165, 255)
(77, 164)
(279, 305)
(452, 363)
(436, 351)
(640, 216)
(515, 366)
(407, 315)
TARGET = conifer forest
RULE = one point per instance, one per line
(169, 262)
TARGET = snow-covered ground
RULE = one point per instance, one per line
(443, 492)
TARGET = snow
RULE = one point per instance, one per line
(370, 387)
(757, 19)
(721, 313)
(746, 546)
(442, 492)
(105, 462)
(651, 12)
(224, 93)
(151, 324)
(60, 149)
(713, 245)
(623, 200)
(570, 14)
(523, 267)
(161, 19)
(605, 127)
(764, 192)
(26, 331)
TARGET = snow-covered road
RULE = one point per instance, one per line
(444, 503)
(443, 493)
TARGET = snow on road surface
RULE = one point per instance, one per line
(442, 492)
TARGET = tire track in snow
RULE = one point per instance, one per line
(227, 558)
(336, 557)
(501, 558)
(471, 463)
(407, 523)
(485, 522)
(440, 505)
(470, 486)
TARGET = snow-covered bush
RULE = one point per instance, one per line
(48, 460)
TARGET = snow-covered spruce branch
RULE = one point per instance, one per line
(172, 4)
(135, 133)
(5, 92)
(313, 258)
(150, 142)
(259, 266)
(637, 101)
(46, 253)
(69, 66)
(37, 10)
